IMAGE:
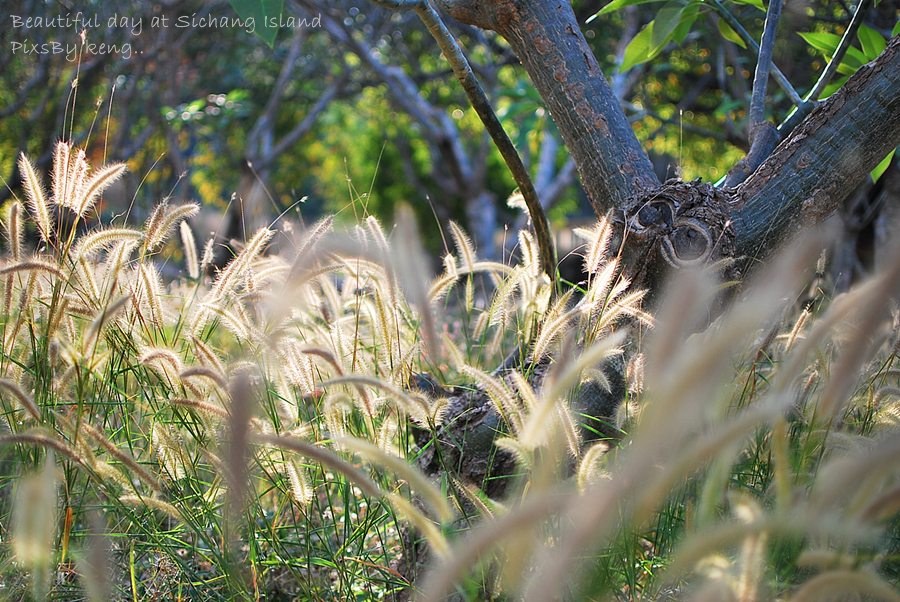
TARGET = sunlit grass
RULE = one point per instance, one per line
(263, 431)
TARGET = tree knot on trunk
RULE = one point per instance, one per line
(676, 226)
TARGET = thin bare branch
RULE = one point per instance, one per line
(763, 67)
(482, 105)
(777, 74)
(825, 78)
(302, 128)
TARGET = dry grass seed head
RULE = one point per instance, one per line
(209, 255)
(41, 438)
(89, 190)
(336, 407)
(415, 407)
(301, 489)
(687, 375)
(874, 316)
(168, 451)
(449, 262)
(840, 480)
(752, 558)
(162, 221)
(503, 398)
(85, 282)
(233, 275)
(553, 324)
(314, 234)
(333, 462)
(122, 457)
(234, 318)
(144, 502)
(530, 257)
(591, 468)
(638, 474)
(208, 357)
(92, 334)
(59, 175)
(35, 515)
(116, 260)
(297, 367)
(600, 285)
(25, 400)
(696, 547)
(148, 292)
(38, 265)
(375, 454)
(69, 172)
(441, 287)
(164, 362)
(464, 246)
(36, 197)
(839, 584)
(104, 238)
(201, 406)
(501, 309)
(15, 230)
(567, 376)
(597, 239)
(190, 250)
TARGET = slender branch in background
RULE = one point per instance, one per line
(761, 77)
(302, 128)
(288, 66)
(485, 111)
(839, 52)
(565, 177)
(438, 130)
(762, 134)
(622, 83)
(777, 75)
(803, 110)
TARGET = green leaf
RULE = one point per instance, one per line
(639, 49)
(826, 43)
(872, 42)
(754, 3)
(265, 15)
(688, 16)
(896, 29)
(882, 167)
(729, 34)
(618, 4)
(834, 87)
(667, 19)
(855, 58)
